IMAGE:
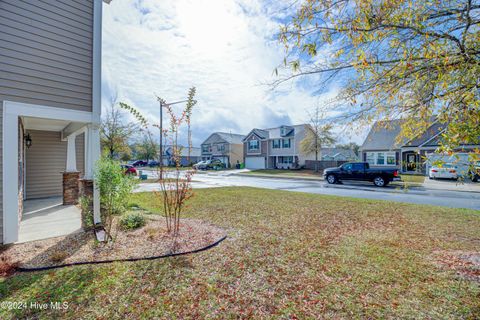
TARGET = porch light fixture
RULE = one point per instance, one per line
(28, 140)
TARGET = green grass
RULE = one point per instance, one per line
(287, 173)
(287, 255)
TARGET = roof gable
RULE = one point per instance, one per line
(223, 137)
(425, 137)
(383, 135)
(259, 133)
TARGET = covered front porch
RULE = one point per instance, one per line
(48, 157)
(48, 218)
(412, 161)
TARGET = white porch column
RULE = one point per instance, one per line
(92, 146)
(71, 154)
(10, 176)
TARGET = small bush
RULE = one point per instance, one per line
(132, 220)
(87, 214)
(58, 256)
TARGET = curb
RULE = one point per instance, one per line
(278, 177)
(410, 187)
(122, 260)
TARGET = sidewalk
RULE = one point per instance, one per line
(465, 186)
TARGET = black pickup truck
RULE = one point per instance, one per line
(361, 171)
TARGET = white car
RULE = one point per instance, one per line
(444, 171)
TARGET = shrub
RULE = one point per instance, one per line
(58, 256)
(87, 214)
(115, 188)
(132, 220)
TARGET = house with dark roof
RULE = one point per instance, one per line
(275, 148)
(384, 148)
(337, 154)
(227, 147)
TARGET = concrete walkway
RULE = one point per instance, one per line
(443, 184)
(48, 218)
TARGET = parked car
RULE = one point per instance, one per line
(129, 169)
(201, 165)
(361, 171)
(475, 172)
(153, 163)
(215, 164)
(139, 163)
(444, 171)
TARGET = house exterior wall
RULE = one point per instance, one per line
(236, 154)
(263, 147)
(50, 55)
(45, 163)
(209, 142)
(46, 53)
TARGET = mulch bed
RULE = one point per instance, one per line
(149, 241)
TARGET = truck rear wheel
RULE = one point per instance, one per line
(331, 179)
(379, 182)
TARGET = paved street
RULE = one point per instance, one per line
(454, 199)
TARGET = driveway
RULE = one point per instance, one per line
(454, 199)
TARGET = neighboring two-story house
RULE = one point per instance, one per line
(227, 147)
(275, 148)
(50, 91)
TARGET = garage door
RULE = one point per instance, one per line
(255, 162)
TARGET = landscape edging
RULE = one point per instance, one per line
(20, 269)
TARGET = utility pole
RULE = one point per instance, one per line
(162, 105)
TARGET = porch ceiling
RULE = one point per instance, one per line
(32, 123)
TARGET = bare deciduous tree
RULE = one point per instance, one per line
(317, 135)
(115, 132)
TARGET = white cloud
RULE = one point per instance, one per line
(225, 48)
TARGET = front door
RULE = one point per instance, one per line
(411, 162)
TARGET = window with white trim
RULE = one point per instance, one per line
(276, 144)
(221, 147)
(381, 158)
(286, 143)
(285, 159)
(253, 145)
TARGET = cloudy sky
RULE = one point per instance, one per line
(226, 48)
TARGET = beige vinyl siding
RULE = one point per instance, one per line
(46, 52)
(45, 163)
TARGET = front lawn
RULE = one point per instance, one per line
(287, 255)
